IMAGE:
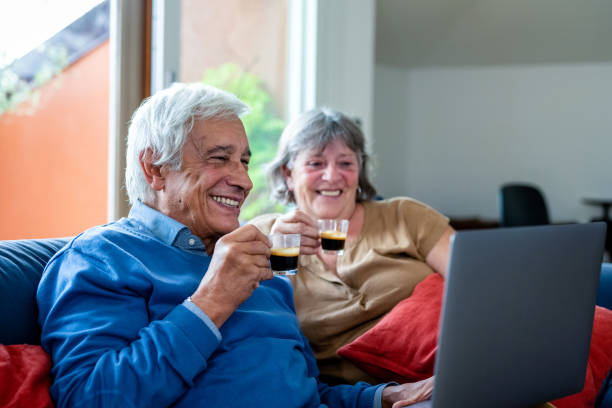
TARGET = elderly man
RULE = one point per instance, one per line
(176, 305)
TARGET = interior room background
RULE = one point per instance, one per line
(456, 97)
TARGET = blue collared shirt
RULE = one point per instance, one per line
(113, 317)
(178, 235)
(166, 229)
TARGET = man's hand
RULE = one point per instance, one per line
(239, 262)
(298, 222)
(396, 396)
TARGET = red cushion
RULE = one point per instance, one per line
(24, 376)
(402, 345)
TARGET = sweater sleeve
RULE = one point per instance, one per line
(360, 395)
(105, 349)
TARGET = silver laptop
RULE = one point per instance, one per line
(517, 315)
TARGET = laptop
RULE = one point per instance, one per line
(517, 315)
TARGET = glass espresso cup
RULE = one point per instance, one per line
(333, 235)
(284, 253)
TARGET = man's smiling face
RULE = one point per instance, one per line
(206, 193)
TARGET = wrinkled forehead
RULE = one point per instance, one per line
(226, 132)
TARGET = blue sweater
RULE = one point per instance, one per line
(113, 317)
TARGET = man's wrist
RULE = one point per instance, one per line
(192, 307)
(214, 310)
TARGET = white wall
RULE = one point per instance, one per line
(451, 136)
(390, 138)
(345, 57)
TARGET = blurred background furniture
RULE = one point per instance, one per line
(604, 203)
(604, 292)
(522, 204)
(465, 223)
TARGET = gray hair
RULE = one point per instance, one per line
(162, 123)
(315, 129)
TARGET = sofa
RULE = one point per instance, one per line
(22, 263)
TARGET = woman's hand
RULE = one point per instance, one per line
(298, 222)
(396, 396)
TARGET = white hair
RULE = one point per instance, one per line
(162, 124)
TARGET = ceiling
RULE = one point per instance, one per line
(425, 33)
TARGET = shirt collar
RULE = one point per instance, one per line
(165, 228)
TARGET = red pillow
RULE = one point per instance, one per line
(24, 376)
(402, 345)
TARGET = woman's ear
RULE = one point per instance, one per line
(152, 172)
(287, 177)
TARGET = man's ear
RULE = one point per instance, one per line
(151, 171)
(288, 177)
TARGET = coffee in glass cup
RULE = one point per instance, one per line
(333, 235)
(284, 253)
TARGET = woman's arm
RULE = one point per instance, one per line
(439, 255)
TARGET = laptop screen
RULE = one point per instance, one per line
(517, 315)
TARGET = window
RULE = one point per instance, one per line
(237, 45)
(53, 117)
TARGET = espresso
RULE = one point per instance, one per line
(284, 259)
(332, 240)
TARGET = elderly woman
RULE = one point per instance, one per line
(391, 245)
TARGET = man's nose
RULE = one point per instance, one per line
(239, 176)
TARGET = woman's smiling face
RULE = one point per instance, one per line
(324, 182)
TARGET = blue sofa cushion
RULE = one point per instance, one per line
(604, 293)
(604, 399)
(21, 265)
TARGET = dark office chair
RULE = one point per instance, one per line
(522, 204)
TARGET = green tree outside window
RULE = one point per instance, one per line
(14, 90)
(263, 129)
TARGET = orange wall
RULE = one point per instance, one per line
(54, 159)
